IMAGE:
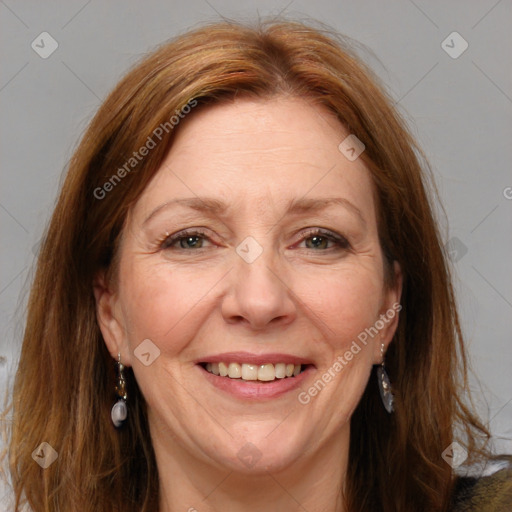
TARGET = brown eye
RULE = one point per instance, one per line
(319, 239)
(317, 242)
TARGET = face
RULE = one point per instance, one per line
(253, 251)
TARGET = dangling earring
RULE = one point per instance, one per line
(119, 410)
(385, 385)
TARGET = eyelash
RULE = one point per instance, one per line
(168, 241)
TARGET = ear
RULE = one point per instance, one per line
(389, 314)
(110, 319)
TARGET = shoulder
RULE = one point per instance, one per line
(486, 493)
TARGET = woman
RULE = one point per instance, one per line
(242, 302)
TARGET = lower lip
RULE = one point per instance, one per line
(255, 390)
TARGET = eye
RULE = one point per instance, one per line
(320, 239)
(188, 239)
(317, 239)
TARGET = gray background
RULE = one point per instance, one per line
(460, 109)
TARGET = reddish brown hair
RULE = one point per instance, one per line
(64, 385)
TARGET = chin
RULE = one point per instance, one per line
(259, 454)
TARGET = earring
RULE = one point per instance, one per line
(385, 385)
(119, 410)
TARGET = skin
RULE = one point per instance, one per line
(301, 296)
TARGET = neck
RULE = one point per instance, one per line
(314, 482)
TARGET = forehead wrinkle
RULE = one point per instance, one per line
(216, 207)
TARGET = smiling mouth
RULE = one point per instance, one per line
(255, 372)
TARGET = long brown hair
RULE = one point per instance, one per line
(64, 386)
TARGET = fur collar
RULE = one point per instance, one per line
(492, 493)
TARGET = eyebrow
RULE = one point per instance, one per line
(215, 207)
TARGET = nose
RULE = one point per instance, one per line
(258, 296)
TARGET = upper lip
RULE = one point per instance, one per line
(251, 358)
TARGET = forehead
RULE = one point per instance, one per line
(252, 154)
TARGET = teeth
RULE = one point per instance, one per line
(263, 372)
(280, 370)
(250, 372)
(234, 371)
(266, 372)
(223, 369)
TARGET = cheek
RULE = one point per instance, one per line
(348, 305)
(159, 304)
(346, 302)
